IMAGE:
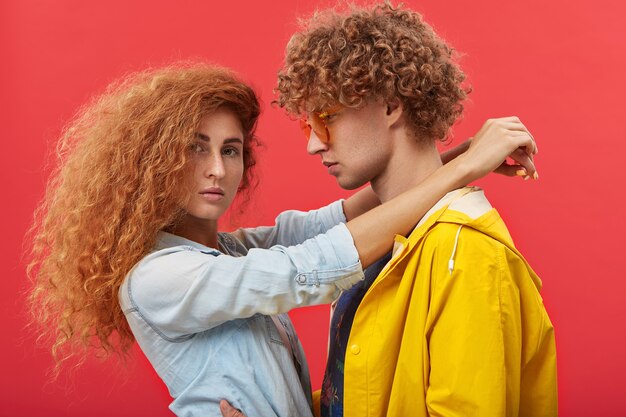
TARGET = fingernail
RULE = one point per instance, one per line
(527, 177)
(520, 172)
(536, 175)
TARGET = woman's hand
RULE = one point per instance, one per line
(228, 410)
(497, 140)
(524, 166)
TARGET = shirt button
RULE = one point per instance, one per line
(301, 279)
(355, 349)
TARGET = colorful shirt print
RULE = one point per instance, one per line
(331, 401)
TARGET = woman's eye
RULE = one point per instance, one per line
(231, 151)
(198, 148)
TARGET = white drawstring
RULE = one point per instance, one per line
(456, 242)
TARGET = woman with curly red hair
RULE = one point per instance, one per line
(126, 247)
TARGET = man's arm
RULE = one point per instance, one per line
(475, 338)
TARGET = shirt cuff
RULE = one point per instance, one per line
(343, 269)
(336, 212)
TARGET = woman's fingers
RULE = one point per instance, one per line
(525, 141)
(515, 170)
(525, 163)
(511, 170)
(499, 139)
(228, 410)
(513, 124)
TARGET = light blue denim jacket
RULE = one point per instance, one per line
(201, 316)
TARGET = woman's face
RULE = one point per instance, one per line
(218, 165)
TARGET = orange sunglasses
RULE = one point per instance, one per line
(316, 122)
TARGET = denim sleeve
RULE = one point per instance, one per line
(181, 290)
(293, 227)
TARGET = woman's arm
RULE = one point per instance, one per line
(373, 232)
(360, 202)
(292, 227)
(449, 155)
(181, 290)
(522, 166)
(365, 199)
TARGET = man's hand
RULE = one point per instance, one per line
(230, 411)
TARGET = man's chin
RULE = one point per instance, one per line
(349, 183)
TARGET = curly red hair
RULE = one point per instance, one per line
(382, 52)
(121, 177)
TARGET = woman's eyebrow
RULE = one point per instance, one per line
(233, 140)
(205, 138)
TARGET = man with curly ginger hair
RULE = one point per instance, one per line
(451, 323)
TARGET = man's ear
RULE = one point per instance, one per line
(394, 112)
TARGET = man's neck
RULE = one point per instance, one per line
(411, 163)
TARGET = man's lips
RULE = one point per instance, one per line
(332, 167)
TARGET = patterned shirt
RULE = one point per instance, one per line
(331, 401)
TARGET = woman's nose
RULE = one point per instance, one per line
(215, 167)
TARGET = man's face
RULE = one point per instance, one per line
(359, 147)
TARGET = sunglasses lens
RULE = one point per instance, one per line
(306, 128)
(319, 127)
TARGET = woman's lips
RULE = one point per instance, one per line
(212, 194)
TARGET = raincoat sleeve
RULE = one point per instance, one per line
(474, 334)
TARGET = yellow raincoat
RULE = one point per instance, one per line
(454, 325)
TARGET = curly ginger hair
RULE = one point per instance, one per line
(121, 177)
(379, 52)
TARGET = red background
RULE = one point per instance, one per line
(559, 65)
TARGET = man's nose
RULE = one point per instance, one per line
(315, 145)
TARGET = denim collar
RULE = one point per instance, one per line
(168, 240)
